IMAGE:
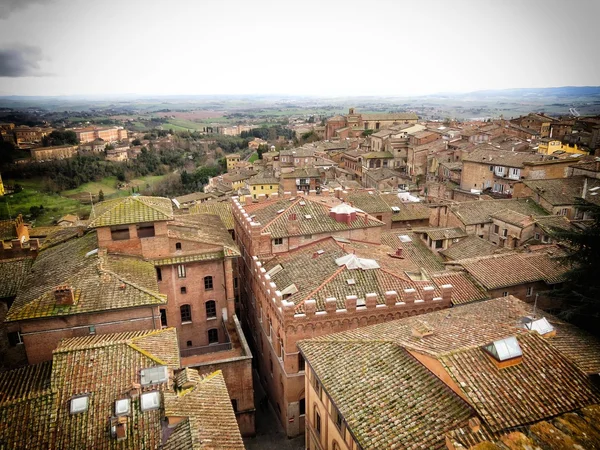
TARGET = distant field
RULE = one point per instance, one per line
(253, 157)
(192, 115)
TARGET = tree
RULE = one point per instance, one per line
(101, 196)
(57, 137)
(580, 293)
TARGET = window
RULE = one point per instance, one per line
(181, 271)
(505, 294)
(186, 313)
(211, 309)
(183, 290)
(317, 422)
(439, 243)
(308, 236)
(163, 317)
(339, 420)
(529, 291)
(154, 375)
(505, 232)
(317, 386)
(563, 212)
(120, 233)
(278, 241)
(235, 283)
(158, 274)
(145, 230)
(537, 236)
(189, 343)
(302, 406)
(208, 283)
(271, 365)
(253, 188)
(491, 168)
(301, 365)
(79, 404)
(496, 229)
(14, 339)
(178, 246)
(92, 329)
(213, 336)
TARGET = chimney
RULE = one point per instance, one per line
(399, 252)
(64, 295)
(474, 424)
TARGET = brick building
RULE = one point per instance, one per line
(450, 380)
(108, 134)
(124, 390)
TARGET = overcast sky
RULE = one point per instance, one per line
(322, 47)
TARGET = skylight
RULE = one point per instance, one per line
(542, 326)
(122, 407)
(350, 281)
(308, 216)
(504, 349)
(154, 375)
(404, 238)
(150, 400)
(275, 270)
(80, 404)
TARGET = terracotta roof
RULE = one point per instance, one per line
(126, 210)
(355, 366)
(277, 223)
(480, 211)
(465, 288)
(441, 233)
(318, 276)
(99, 282)
(368, 201)
(221, 209)
(543, 385)
(552, 223)
(12, 275)
(577, 429)
(194, 196)
(390, 116)
(408, 210)
(513, 218)
(471, 247)
(205, 229)
(304, 172)
(62, 234)
(26, 381)
(564, 191)
(488, 155)
(386, 397)
(415, 249)
(511, 269)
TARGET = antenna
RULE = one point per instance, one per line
(535, 304)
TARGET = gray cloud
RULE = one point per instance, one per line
(21, 61)
(7, 7)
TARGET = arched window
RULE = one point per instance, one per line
(213, 336)
(208, 283)
(186, 313)
(178, 246)
(211, 309)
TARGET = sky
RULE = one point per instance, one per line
(294, 47)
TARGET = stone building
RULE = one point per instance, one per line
(53, 153)
(108, 134)
(361, 122)
(449, 379)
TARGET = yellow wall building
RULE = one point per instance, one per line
(262, 185)
(550, 146)
(232, 161)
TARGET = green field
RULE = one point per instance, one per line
(55, 206)
(253, 157)
(73, 201)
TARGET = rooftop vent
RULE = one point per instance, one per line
(150, 400)
(308, 216)
(505, 352)
(280, 211)
(290, 290)
(80, 404)
(122, 407)
(350, 281)
(302, 203)
(542, 326)
(395, 209)
(154, 375)
(118, 428)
